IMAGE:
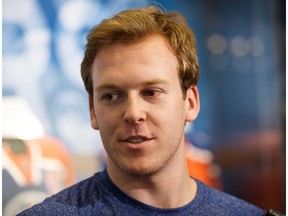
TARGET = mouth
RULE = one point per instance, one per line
(136, 139)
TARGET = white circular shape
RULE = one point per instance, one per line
(75, 14)
(239, 46)
(217, 43)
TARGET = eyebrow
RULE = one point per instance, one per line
(106, 86)
(145, 83)
(156, 81)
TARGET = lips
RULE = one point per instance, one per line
(135, 139)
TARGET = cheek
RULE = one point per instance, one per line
(107, 119)
(177, 110)
(172, 117)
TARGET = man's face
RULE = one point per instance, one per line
(138, 106)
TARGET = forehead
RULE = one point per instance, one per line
(130, 64)
(152, 49)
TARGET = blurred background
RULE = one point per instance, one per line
(237, 144)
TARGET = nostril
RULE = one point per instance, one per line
(134, 117)
(133, 120)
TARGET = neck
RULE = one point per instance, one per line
(171, 187)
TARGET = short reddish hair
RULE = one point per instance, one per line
(132, 25)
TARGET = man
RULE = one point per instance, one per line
(141, 70)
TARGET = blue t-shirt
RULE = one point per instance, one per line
(97, 195)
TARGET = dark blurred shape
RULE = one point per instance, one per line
(246, 78)
(256, 163)
(272, 212)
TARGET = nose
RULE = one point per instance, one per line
(134, 112)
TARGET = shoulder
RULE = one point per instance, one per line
(49, 208)
(67, 201)
(78, 193)
(225, 204)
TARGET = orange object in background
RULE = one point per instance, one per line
(32, 170)
(201, 166)
(57, 163)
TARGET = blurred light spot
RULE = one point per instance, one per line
(242, 64)
(25, 13)
(37, 52)
(66, 43)
(11, 10)
(19, 120)
(74, 14)
(217, 44)
(256, 46)
(239, 46)
(218, 62)
(37, 36)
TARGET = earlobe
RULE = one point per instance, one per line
(93, 118)
(193, 103)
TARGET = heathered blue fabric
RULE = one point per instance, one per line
(97, 195)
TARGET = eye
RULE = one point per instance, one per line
(152, 93)
(149, 92)
(111, 97)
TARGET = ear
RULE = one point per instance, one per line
(193, 103)
(93, 118)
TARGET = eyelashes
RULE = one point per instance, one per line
(115, 96)
(109, 97)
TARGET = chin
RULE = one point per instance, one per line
(141, 170)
